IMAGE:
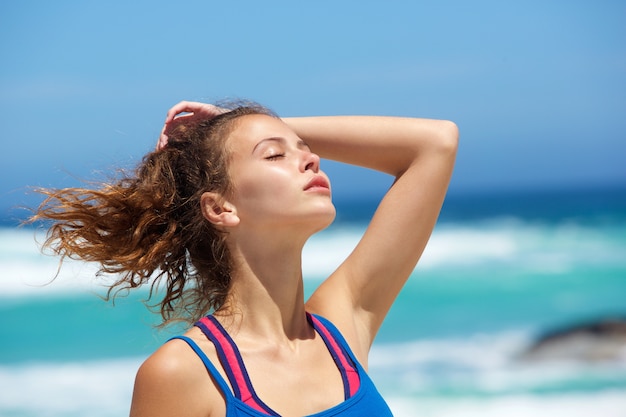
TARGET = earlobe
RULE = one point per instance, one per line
(218, 211)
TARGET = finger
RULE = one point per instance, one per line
(195, 108)
(162, 141)
(182, 107)
(191, 107)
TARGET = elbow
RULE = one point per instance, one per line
(437, 143)
(431, 140)
(448, 137)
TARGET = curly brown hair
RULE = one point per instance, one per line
(148, 226)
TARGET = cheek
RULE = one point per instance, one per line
(257, 189)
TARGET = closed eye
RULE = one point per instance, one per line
(275, 157)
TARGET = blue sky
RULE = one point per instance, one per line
(538, 88)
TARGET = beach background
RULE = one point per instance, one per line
(487, 287)
(531, 239)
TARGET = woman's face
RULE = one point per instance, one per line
(276, 178)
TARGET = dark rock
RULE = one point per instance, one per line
(599, 341)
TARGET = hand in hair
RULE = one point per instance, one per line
(195, 112)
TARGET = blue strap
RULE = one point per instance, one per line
(217, 377)
(338, 353)
(236, 367)
(340, 340)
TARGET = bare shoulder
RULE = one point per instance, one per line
(174, 381)
(174, 363)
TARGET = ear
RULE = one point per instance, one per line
(218, 211)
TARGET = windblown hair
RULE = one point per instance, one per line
(148, 227)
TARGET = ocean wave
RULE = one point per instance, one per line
(511, 244)
(98, 389)
(485, 365)
(527, 245)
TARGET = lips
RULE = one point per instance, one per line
(318, 182)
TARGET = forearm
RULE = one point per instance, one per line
(420, 153)
(387, 144)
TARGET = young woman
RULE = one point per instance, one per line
(221, 211)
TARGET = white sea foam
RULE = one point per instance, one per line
(531, 246)
(485, 365)
(469, 246)
(98, 389)
(479, 351)
(510, 244)
(459, 245)
(26, 271)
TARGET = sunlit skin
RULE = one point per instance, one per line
(280, 198)
(279, 186)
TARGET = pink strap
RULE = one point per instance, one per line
(234, 367)
(351, 373)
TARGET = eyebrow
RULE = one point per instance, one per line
(301, 144)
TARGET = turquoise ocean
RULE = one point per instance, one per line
(501, 269)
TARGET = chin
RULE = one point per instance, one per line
(326, 218)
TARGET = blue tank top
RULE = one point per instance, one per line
(361, 397)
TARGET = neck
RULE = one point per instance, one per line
(267, 294)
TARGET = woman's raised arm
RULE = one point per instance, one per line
(420, 154)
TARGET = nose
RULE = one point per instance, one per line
(311, 162)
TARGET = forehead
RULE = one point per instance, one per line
(251, 129)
